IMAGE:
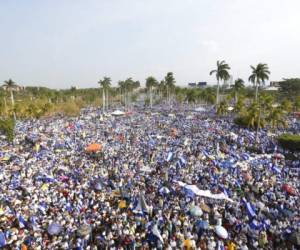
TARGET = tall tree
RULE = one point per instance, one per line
(238, 85)
(276, 117)
(290, 89)
(73, 92)
(222, 73)
(11, 86)
(105, 84)
(170, 84)
(151, 83)
(259, 75)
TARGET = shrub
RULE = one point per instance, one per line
(241, 121)
(289, 141)
(7, 126)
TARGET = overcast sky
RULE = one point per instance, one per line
(59, 43)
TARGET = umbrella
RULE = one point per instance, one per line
(54, 228)
(295, 238)
(164, 190)
(187, 244)
(202, 224)
(94, 147)
(196, 211)
(98, 186)
(122, 204)
(278, 156)
(84, 230)
(221, 232)
(118, 112)
(289, 189)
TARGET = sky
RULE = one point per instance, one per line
(64, 43)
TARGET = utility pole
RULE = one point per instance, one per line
(151, 97)
(103, 99)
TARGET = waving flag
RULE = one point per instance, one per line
(141, 206)
(2, 239)
(170, 156)
(42, 208)
(250, 208)
(22, 221)
(156, 232)
(255, 225)
(182, 160)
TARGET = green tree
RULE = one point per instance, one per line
(239, 106)
(259, 75)
(170, 85)
(151, 83)
(73, 92)
(222, 109)
(105, 84)
(287, 105)
(253, 116)
(276, 118)
(290, 89)
(10, 86)
(237, 87)
(7, 126)
(222, 73)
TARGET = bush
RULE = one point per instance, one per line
(241, 121)
(69, 109)
(7, 126)
(290, 142)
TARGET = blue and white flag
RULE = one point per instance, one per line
(42, 208)
(2, 239)
(170, 156)
(141, 206)
(255, 225)
(220, 246)
(276, 169)
(156, 232)
(22, 221)
(69, 207)
(182, 160)
(205, 153)
(250, 208)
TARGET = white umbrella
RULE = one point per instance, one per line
(221, 232)
(196, 211)
(118, 112)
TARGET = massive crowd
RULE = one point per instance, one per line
(159, 181)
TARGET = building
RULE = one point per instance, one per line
(197, 85)
(275, 84)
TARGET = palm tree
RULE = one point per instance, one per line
(253, 116)
(105, 84)
(151, 83)
(73, 92)
(170, 84)
(222, 73)
(122, 91)
(276, 118)
(287, 106)
(259, 75)
(239, 106)
(222, 109)
(10, 86)
(161, 87)
(238, 85)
